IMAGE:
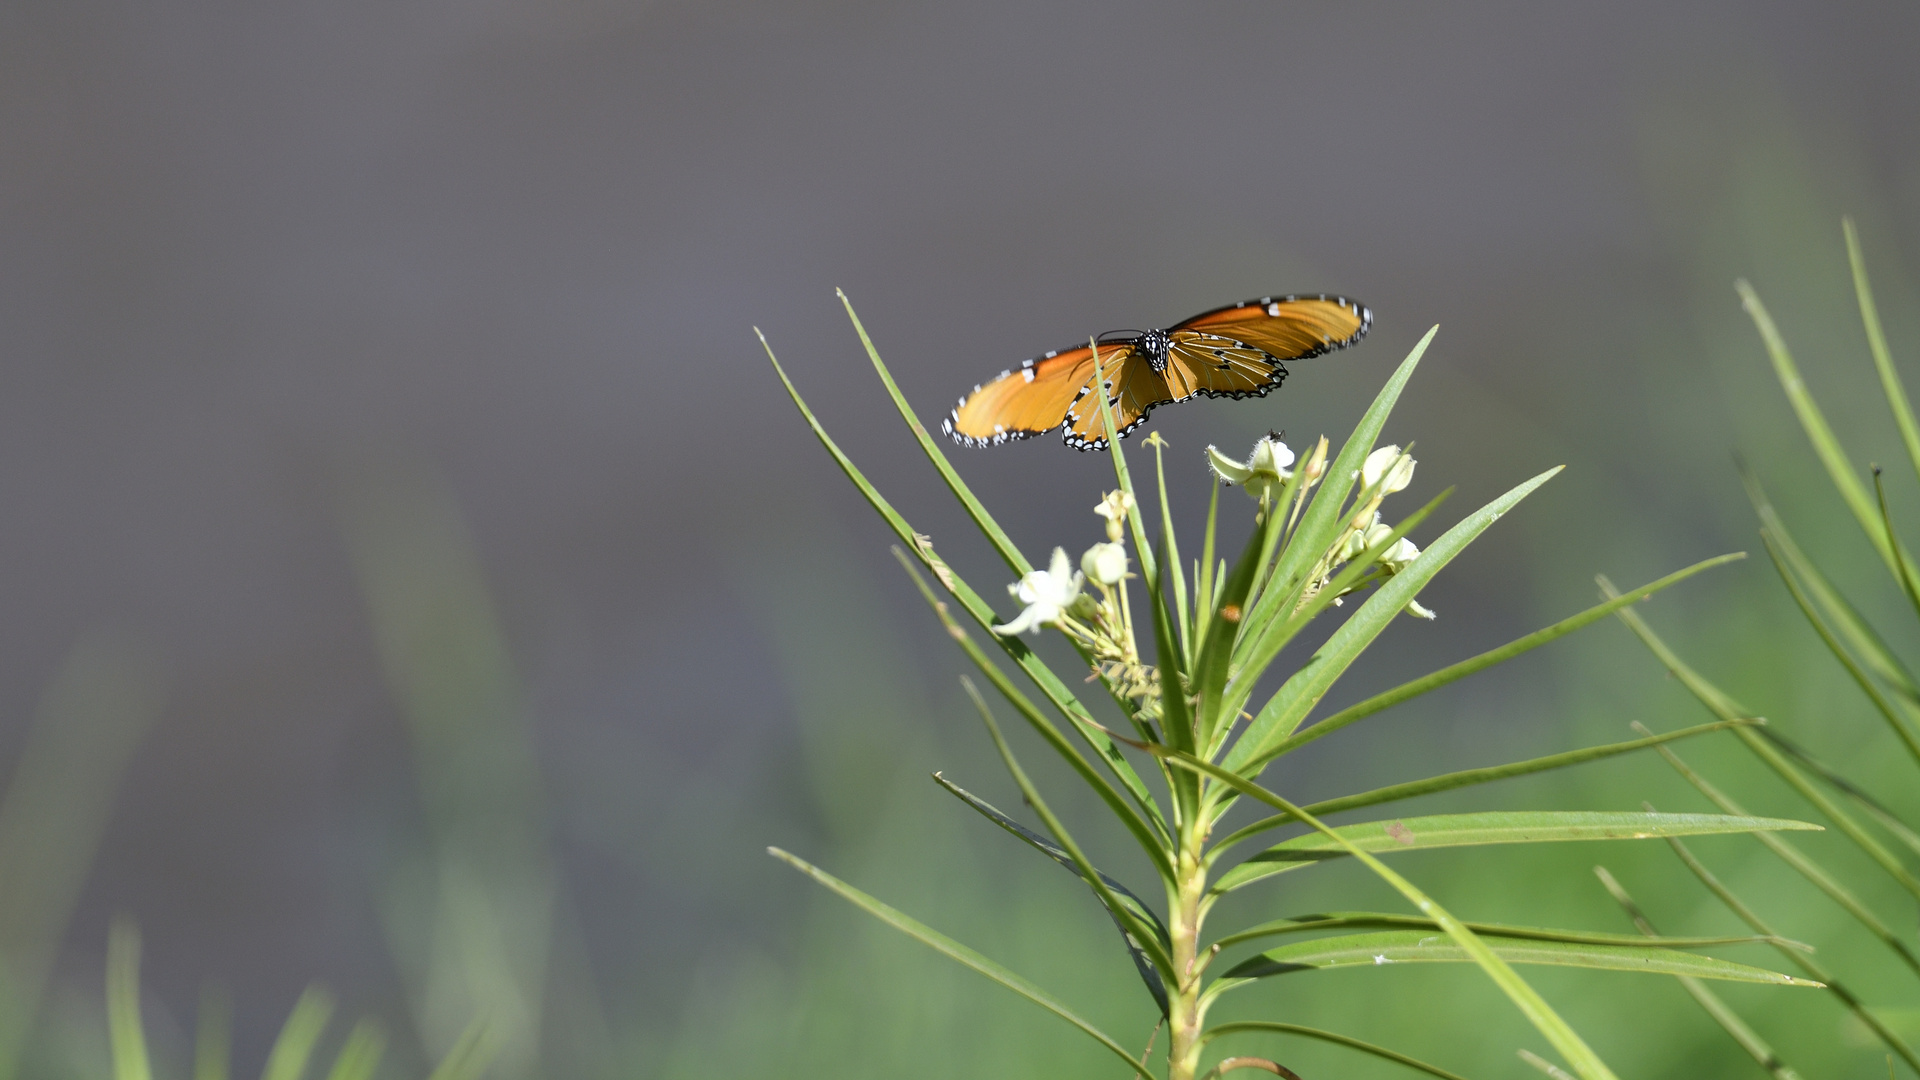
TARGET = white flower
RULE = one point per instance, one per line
(1414, 609)
(1261, 473)
(1105, 563)
(1115, 508)
(1046, 594)
(1387, 470)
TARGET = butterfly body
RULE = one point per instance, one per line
(1235, 351)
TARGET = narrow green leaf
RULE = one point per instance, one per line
(1881, 702)
(294, 1048)
(1042, 677)
(953, 950)
(1204, 579)
(1176, 722)
(1230, 611)
(1455, 672)
(1524, 997)
(1141, 931)
(1491, 827)
(1805, 865)
(1282, 629)
(1150, 842)
(1299, 694)
(1380, 920)
(1467, 778)
(1758, 1048)
(1726, 708)
(1141, 962)
(125, 1030)
(1877, 344)
(213, 1037)
(472, 1054)
(360, 1055)
(1874, 808)
(1325, 514)
(1548, 1068)
(1848, 622)
(1807, 964)
(975, 509)
(1249, 1027)
(1170, 558)
(1825, 444)
(1387, 947)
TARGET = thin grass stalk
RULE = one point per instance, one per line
(1890, 383)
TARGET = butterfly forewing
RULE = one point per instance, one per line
(1288, 327)
(1029, 400)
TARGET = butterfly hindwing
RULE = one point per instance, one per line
(1134, 388)
(1200, 363)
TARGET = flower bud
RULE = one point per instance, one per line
(1387, 470)
(1262, 472)
(1115, 508)
(1105, 563)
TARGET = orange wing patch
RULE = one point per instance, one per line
(1288, 327)
(1029, 400)
(1140, 388)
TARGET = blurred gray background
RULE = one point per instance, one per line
(308, 305)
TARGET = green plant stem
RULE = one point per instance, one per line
(1187, 902)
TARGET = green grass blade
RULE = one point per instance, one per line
(1299, 694)
(1851, 626)
(1380, 920)
(1472, 665)
(1808, 964)
(1043, 677)
(213, 1037)
(1825, 444)
(1141, 962)
(472, 1053)
(1176, 722)
(1249, 1027)
(1758, 1048)
(1877, 344)
(1385, 948)
(1804, 865)
(1150, 842)
(975, 509)
(1484, 828)
(293, 1050)
(359, 1056)
(1901, 729)
(953, 950)
(127, 1034)
(1141, 930)
(1531, 1005)
(1470, 777)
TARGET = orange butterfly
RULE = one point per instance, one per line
(1234, 351)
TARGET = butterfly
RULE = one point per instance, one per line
(1236, 351)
